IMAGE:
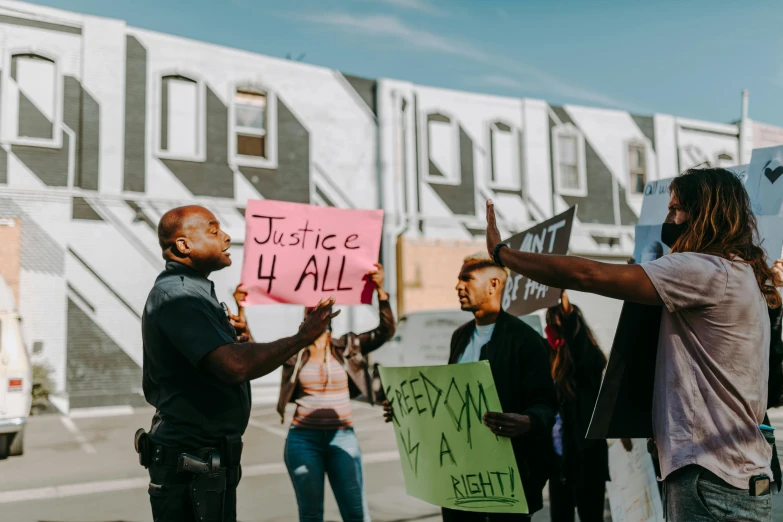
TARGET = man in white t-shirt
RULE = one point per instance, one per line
(712, 362)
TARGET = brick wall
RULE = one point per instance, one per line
(428, 270)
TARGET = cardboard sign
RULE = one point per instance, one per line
(765, 181)
(299, 254)
(624, 405)
(521, 295)
(741, 171)
(633, 489)
(449, 457)
(655, 204)
(648, 245)
(771, 234)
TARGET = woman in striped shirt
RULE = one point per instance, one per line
(321, 380)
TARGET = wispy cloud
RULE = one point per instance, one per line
(393, 27)
(501, 81)
(515, 74)
(415, 5)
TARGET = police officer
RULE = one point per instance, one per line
(197, 369)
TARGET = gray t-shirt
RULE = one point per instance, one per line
(712, 367)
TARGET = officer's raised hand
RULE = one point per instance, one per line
(317, 321)
(237, 362)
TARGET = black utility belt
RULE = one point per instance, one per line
(227, 454)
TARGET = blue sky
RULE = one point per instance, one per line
(687, 58)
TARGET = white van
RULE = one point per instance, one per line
(16, 377)
(424, 339)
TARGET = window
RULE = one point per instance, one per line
(253, 126)
(691, 156)
(32, 100)
(637, 168)
(442, 149)
(181, 120)
(725, 160)
(504, 157)
(568, 152)
(250, 123)
(569, 169)
(36, 79)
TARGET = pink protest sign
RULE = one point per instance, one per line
(298, 254)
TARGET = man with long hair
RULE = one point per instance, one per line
(712, 362)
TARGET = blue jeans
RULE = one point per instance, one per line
(311, 454)
(693, 494)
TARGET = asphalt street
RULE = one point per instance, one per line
(83, 469)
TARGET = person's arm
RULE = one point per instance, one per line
(375, 338)
(241, 362)
(626, 282)
(202, 338)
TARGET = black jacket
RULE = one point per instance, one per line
(775, 397)
(519, 362)
(584, 460)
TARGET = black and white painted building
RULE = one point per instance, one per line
(103, 127)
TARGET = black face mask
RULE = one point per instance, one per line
(671, 232)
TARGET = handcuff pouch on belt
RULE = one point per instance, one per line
(141, 442)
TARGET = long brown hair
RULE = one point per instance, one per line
(722, 223)
(561, 361)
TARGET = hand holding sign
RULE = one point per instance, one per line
(376, 277)
(777, 268)
(507, 424)
(388, 413)
(240, 294)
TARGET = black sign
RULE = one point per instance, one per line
(624, 406)
(521, 295)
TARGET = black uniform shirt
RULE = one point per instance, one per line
(182, 322)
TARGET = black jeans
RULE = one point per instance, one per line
(453, 515)
(170, 498)
(587, 500)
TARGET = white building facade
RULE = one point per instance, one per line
(103, 127)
